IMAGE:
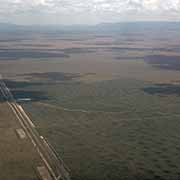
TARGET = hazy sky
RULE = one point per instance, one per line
(87, 11)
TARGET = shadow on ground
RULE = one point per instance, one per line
(163, 89)
(19, 91)
(164, 62)
(52, 76)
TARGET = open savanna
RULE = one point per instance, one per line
(108, 102)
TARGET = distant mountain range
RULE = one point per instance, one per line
(99, 27)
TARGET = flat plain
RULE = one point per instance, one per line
(107, 101)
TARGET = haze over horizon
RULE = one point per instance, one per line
(68, 12)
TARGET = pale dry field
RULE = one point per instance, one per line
(18, 157)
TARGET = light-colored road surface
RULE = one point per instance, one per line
(49, 157)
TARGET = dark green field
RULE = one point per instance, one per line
(117, 129)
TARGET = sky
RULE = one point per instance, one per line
(69, 12)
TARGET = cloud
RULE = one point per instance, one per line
(97, 9)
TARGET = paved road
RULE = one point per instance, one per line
(53, 163)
